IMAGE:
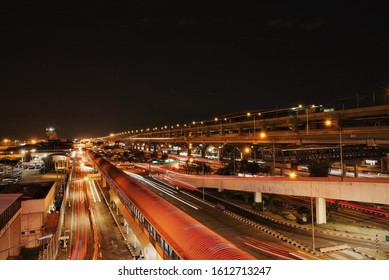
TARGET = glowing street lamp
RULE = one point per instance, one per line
(263, 135)
(292, 175)
(328, 123)
(6, 141)
(23, 244)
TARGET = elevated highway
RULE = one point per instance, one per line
(365, 126)
(369, 190)
(283, 136)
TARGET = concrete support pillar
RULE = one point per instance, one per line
(219, 154)
(258, 197)
(383, 164)
(240, 130)
(356, 170)
(344, 170)
(219, 190)
(321, 214)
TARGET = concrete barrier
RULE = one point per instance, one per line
(333, 248)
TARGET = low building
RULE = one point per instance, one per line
(37, 202)
(10, 225)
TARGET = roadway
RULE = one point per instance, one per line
(93, 230)
(81, 241)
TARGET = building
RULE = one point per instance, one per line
(10, 225)
(37, 203)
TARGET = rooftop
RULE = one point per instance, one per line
(7, 199)
(33, 190)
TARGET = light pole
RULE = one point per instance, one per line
(263, 135)
(6, 141)
(341, 153)
(248, 115)
(306, 113)
(221, 124)
(22, 244)
(202, 169)
(247, 150)
(328, 123)
(312, 221)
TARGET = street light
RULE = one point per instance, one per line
(263, 135)
(221, 125)
(312, 222)
(328, 123)
(22, 244)
(292, 175)
(5, 142)
(248, 115)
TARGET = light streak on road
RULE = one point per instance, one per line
(94, 192)
(162, 189)
(80, 219)
(272, 249)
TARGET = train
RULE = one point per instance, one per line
(174, 234)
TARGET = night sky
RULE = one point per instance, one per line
(97, 67)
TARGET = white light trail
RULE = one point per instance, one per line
(158, 187)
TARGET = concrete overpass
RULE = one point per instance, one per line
(274, 137)
(358, 126)
(349, 189)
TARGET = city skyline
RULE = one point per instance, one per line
(90, 70)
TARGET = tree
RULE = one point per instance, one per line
(318, 168)
(264, 169)
(252, 168)
(227, 170)
(202, 167)
(243, 166)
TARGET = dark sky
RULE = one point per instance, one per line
(90, 69)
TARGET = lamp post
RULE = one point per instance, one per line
(202, 169)
(248, 115)
(328, 123)
(263, 135)
(306, 114)
(6, 141)
(221, 125)
(312, 222)
(341, 153)
(247, 150)
(22, 244)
